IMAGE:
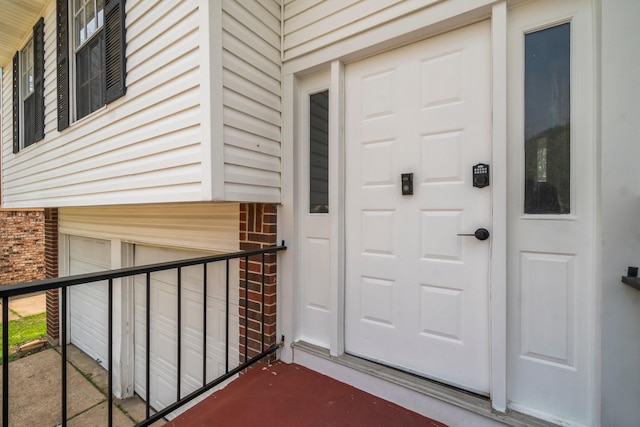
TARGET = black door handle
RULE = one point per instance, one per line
(480, 234)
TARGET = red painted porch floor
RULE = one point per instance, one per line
(291, 395)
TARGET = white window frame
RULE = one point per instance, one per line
(76, 47)
(27, 88)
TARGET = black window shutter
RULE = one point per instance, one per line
(62, 60)
(38, 78)
(115, 44)
(16, 103)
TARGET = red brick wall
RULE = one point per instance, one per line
(51, 267)
(21, 246)
(258, 230)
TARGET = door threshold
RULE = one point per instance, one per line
(468, 401)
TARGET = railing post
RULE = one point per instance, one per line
(110, 346)
(5, 361)
(246, 308)
(262, 306)
(148, 346)
(204, 325)
(179, 326)
(63, 346)
(226, 347)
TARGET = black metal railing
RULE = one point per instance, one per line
(64, 283)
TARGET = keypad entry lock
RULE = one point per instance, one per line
(480, 175)
(407, 184)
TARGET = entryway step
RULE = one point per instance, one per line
(468, 401)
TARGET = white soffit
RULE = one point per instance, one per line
(17, 18)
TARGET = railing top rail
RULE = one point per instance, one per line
(62, 282)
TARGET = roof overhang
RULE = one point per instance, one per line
(17, 18)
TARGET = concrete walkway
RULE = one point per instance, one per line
(35, 392)
(26, 306)
(35, 384)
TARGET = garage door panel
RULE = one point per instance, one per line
(90, 251)
(164, 323)
(163, 303)
(192, 313)
(192, 378)
(217, 273)
(88, 309)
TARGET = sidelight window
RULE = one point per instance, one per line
(319, 152)
(548, 121)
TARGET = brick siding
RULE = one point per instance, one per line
(258, 230)
(22, 246)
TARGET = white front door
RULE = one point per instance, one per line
(88, 303)
(416, 292)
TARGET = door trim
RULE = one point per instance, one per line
(337, 199)
(498, 251)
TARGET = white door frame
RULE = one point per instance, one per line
(290, 212)
(498, 254)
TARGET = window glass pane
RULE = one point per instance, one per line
(80, 34)
(26, 70)
(319, 153)
(90, 77)
(100, 8)
(29, 121)
(90, 14)
(88, 19)
(547, 121)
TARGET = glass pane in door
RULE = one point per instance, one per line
(548, 121)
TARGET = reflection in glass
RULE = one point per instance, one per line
(28, 113)
(88, 19)
(26, 69)
(319, 152)
(547, 121)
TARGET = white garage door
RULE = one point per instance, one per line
(88, 304)
(417, 291)
(163, 330)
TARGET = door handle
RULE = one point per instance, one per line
(480, 234)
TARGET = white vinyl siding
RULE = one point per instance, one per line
(312, 24)
(155, 145)
(146, 148)
(251, 99)
(200, 226)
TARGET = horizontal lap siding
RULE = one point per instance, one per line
(202, 226)
(310, 25)
(7, 109)
(252, 103)
(145, 147)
